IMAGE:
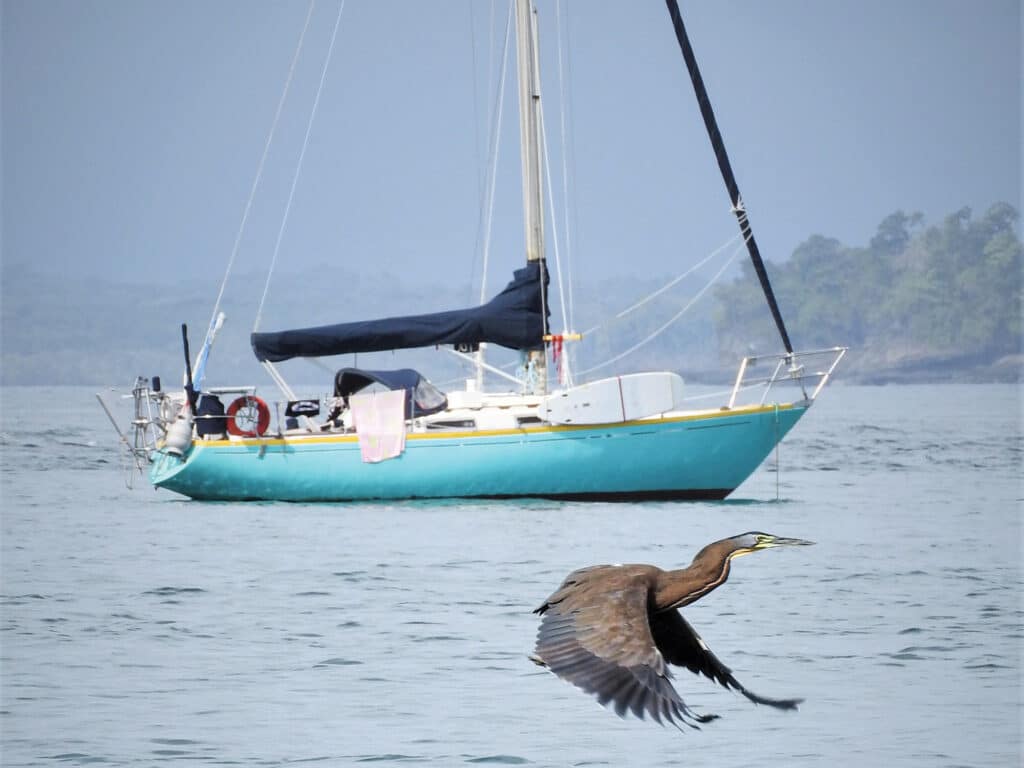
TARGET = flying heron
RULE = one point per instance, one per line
(612, 630)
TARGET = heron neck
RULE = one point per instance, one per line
(681, 587)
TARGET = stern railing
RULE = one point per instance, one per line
(154, 410)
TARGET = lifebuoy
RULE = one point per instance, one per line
(252, 412)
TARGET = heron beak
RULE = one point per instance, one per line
(778, 541)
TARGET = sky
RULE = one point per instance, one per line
(132, 131)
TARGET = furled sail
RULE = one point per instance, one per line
(514, 319)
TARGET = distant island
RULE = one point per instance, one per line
(919, 303)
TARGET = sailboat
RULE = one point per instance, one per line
(394, 435)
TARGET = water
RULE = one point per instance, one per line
(139, 629)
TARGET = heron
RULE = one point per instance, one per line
(613, 631)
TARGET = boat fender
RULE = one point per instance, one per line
(244, 405)
(179, 435)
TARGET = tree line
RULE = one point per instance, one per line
(947, 294)
(950, 291)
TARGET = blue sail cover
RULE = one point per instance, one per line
(512, 319)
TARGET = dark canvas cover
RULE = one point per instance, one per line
(421, 397)
(512, 319)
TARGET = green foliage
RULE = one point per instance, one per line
(952, 290)
(949, 293)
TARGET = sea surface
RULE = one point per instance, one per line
(140, 629)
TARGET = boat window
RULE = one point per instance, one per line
(429, 398)
(453, 424)
(525, 421)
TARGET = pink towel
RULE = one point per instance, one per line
(379, 419)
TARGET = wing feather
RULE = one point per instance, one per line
(595, 634)
(680, 645)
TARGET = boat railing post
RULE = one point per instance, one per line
(774, 377)
(480, 365)
(828, 374)
(796, 370)
(144, 421)
(120, 434)
(286, 391)
(739, 380)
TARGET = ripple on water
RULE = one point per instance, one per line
(173, 591)
(79, 758)
(14, 600)
(499, 760)
(337, 662)
(391, 758)
(987, 665)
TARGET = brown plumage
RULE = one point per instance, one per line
(612, 630)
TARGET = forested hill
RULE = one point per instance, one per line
(921, 302)
(918, 303)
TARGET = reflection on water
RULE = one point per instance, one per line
(139, 629)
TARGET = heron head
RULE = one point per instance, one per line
(754, 541)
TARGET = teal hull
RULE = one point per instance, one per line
(692, 457)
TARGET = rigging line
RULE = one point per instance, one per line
(671, 320)
(482, 180)
(554, 237)
(494, 140)
(569, 156)
(476, 99)
(259, 169)
(570, 151)
(492, 63)
(490, 59)
(674, 282)
(298, 166)
(551, 207)
(563, 116)
(720, 393)
(563, 108)
(488, 69)
(778, 439)
(670, 284)
(495, 147)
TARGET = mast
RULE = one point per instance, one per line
(529, 135)
(726, 168)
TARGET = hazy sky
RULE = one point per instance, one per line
(132, 130)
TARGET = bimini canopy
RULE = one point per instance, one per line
(421, 397)
(513, 319)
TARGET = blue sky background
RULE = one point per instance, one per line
(132, 130)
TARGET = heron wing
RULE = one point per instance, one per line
(578, 580)
(595, 634)
(680, 645)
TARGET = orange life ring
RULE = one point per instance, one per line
(244, 405)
